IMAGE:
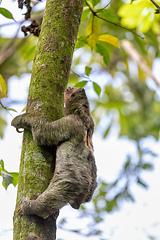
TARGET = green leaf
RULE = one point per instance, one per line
(88, 2)
(88, 70)
(24, 109)
(98, 219)
(111, 204)
(93, 31)
(95, 2)
(76, 230)
(81, 84)
(63, 221)
(107, 131)
(81, 41)
(139, 181)
(127, 163)
(129, 196)
(15, 178)
(2, 125)
(85, 14)
(3, 87)
(6, 13)
(110, 16)
(97, 88)
(29, 53)
(7, 179)
(101, 49)
(147, 166)
(1, 164)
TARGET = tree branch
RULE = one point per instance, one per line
(115, 24)
(50, 74)
(134, 54)
(156, 4)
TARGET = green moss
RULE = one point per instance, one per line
(49, 79)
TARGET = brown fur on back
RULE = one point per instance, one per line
(74, 179)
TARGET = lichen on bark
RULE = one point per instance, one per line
(49, 78)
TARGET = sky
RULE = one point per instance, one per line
(133, 221)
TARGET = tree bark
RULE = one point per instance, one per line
(49, 79)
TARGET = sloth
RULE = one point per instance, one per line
(74, 178)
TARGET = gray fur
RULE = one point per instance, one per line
(74, 179)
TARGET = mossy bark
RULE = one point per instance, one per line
(49, 79)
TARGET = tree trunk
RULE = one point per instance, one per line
(49, 79)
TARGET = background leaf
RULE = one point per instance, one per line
(81, 41)
(3, 87)
(81, 84)
(2, 164)
(139, 181)
(7, 179)
(109, 39)
(6, 13)
(95, 2)
(109, 15)
(88, 70)
(97, 88)
(93, 31)
(15, 178)
(102, 50)
(2, 126)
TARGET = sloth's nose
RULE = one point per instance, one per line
(68, 89)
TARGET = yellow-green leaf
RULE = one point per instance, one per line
(102, 50)
(109, 15)
(97, 88)
(93, 31)
(140, 14)
(88, 70)
(107, 131)
(24, 109)
(81, 84)
(86, 12)
(109, 39)
(3, 87)
(2, 126)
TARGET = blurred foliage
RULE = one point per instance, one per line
(108, 196)
(141, 15)
(120, 89)
(137, 107)
(8, 177)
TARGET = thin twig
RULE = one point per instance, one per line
(83, 76)
(103, 8)
(116, 24)
(38, 17)
(22, 21)
(9, 49)
(135, 55)
(157, 6)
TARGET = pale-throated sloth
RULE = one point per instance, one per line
(74, 179)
